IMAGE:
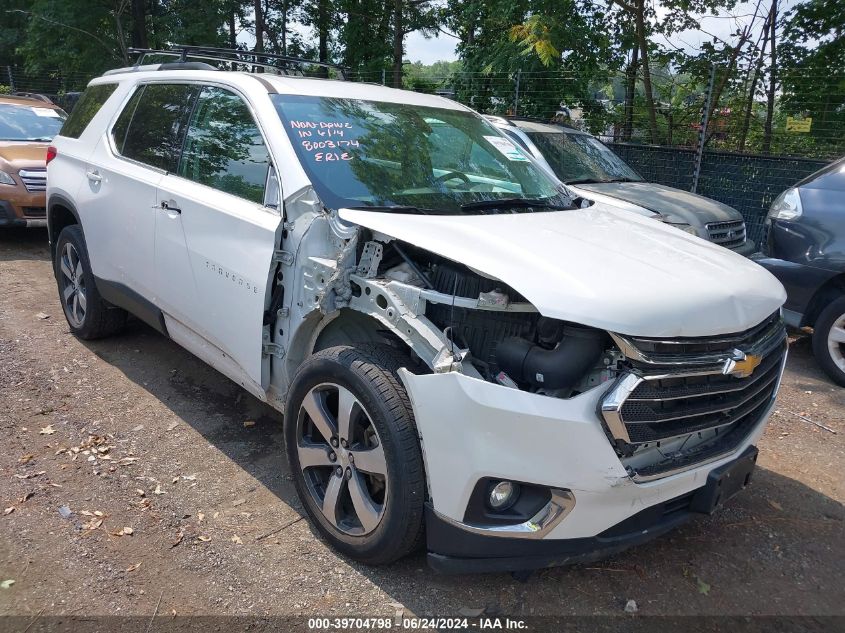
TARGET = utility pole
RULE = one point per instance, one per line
(702, 134)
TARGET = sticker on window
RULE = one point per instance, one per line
(506, 148)
(46, 112)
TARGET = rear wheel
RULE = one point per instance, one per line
(353, 449)
(829, 340)
(88, 314)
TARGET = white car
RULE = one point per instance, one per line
(461, 356)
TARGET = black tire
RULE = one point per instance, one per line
(830, 315)
(369, 373)
(100, 318)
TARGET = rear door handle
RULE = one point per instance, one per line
(170, 207)
(94, 176)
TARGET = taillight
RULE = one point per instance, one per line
(51, 153)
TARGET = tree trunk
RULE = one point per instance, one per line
(285, 27)
(758, 69)
(630, 90)
(139, 24)
(649, 96)
(323, 34)
(398, 42)
(770, 105)
(233, 34)
(259, 27)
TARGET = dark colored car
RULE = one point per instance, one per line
(805, 250)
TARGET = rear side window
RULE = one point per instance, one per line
(151, 128)
(224, 148)
(88, 105)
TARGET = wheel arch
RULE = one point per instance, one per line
(61, 212)
(827, 292)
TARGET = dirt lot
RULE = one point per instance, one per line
(132, 434)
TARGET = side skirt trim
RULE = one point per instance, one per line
(126, 298)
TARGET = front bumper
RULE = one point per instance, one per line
(453, 550)
(471, 429)
(13, 216)
(747, 249)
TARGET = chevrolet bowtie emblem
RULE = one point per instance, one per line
(742, 365)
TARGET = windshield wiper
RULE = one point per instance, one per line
(394, 208)
(597, 181)
(510, 203)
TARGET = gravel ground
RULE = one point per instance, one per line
(138, 480)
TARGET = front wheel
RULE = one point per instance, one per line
(353, 449)
(829, 340)
(88, 315)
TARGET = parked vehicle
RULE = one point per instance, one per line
(592, 170)
(805, 250)
(27, 124)
(461, 354)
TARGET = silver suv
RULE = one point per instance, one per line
(462, 356)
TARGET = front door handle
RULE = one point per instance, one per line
(170, 207)
(94, 176)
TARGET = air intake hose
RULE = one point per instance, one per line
(559, 368)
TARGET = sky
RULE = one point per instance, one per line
(428, 51)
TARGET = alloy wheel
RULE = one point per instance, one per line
(72, 280)
(836, 342)
(342, 459)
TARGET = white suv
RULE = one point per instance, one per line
(461, 356)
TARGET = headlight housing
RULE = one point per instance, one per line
(6, 179)
(787, 206)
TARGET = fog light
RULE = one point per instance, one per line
(503, 495)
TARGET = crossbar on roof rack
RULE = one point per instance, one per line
(236, 56)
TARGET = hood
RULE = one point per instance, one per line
(687, 207)
(20, 155)
(600, 267)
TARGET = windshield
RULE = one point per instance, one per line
(392, 155)
(582, 158)
(29, 123)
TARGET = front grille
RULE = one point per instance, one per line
(35, 212)
(728, 234)
(676, 388)
(34, 180)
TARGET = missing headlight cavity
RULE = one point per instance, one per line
(516, 348)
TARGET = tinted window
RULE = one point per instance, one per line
(29, 122)
(88, 105)
(156, 128)
(121, 126)
(224, 148)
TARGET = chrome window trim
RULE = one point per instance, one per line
(537, 527)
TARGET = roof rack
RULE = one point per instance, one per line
(31, 95)
(268, 61)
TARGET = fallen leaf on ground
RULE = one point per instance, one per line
(703, 587)
(237, 539)
(132, 568)
(172, 426)
(7, 583)
(28, 495)
(42, 315)
(140, 492)
(31, 475)
(128, 531)
(775, 505)
(9, 510)
(248, 423)
(26, 458)
(47, 430)
(238, 502)
(158, 491)
(178, 540)
(189, 477)
(204, 539)
(200, 517)
(175, 480)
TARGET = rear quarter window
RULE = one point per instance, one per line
(88, 105)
